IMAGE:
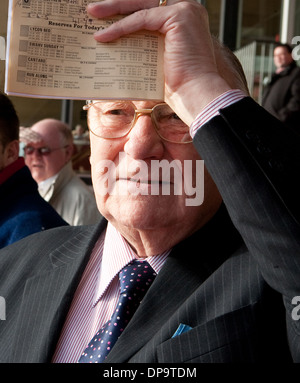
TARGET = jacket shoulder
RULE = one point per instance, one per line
(32, 251)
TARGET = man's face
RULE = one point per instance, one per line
(137, 195)
(282, 57)
(44, 166)
(8, 153)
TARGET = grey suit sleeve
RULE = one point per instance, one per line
(255, 165)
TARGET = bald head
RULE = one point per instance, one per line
(54, 131)
(52, 134)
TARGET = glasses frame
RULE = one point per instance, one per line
(137, 114)
(39, 150)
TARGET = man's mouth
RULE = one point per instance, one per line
(138, 181)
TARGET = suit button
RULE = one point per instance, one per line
(252, 136)
(263, 150)
(276, 165)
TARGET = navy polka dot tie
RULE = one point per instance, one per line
(135, 279)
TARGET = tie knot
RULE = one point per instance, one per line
(136, 277)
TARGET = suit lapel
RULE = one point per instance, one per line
(40, 319)
(47, 297)
(190, 263)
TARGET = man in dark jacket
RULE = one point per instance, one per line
(282, 95)
(23, 210)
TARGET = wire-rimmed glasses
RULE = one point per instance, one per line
(115, 119)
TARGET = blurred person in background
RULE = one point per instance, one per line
(48, 153)
(23, 210)
(281, 96)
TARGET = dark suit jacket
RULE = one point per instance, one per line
(232, 281)
(22, 210)
(281, 97)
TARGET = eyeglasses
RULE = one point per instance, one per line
(112, 120)
(43, 151)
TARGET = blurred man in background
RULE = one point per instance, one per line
(23, 210)
(282, 95)
(48, 153)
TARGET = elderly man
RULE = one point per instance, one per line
(222, 275)
(48, 154)
(23, 210)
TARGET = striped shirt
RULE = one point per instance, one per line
(98, 291)
(212, 109)
(97, 294)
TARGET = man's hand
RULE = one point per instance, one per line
(191, 75)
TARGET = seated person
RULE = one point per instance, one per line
(48, 153)
(23, 210)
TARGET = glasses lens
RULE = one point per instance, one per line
(44, 151)
(28, 150)
(170, 126)
(110, 119)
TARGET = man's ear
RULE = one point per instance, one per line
(11, 152)
(69, 151)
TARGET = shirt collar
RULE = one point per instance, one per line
(46, 184)
(117, 253)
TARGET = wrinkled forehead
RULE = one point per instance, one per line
(279, 51)
(138, 104)
(146, 104)
(37, 136)
(27, 135)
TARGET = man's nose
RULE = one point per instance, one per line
(142, 141)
